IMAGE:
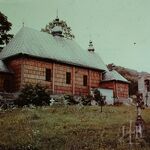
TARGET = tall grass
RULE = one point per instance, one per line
(66, 128)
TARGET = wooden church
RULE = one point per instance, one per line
(50, 59)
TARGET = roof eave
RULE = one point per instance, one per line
(128, 82)
(55, 60)
(6, 72)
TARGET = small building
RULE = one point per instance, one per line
(51, 60)
(113, 80)
(144, 87)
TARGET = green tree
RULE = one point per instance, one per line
(133, 87)
(99, 98)
(66, 30)
(36, 95)
(5, 27)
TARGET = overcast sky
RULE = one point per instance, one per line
(113, 25)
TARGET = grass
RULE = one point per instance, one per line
(67, 128)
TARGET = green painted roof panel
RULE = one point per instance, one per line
(40, 44)
(114, 75)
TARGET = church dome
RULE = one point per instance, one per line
(57, 30)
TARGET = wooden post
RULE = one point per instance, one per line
(53, 81)
(130, 135)
(123, 131)
(22, 73)
(73, 80)
(116, 90)
(89, 81)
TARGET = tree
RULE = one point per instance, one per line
(5, 27)
(36, 95)
(99, 98)
(66, 31)
(133, 87)
(111, 66)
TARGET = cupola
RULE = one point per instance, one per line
(91, 48)
(57, 29)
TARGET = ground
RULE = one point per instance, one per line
(69, 128)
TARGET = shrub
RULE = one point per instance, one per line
(35, 95)
(71, 100)
(74, 100)
(86, 100)
(99, 98)
(59, 100)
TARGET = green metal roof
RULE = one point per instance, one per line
(114, 75)
(40, 44)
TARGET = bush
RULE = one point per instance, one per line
(36, 95)
(86, 100)
(99, 98)
(58, 100)
(74, 100)
(71, 100)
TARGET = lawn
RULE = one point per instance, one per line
(69, 128)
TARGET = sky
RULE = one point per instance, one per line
(119, 29)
